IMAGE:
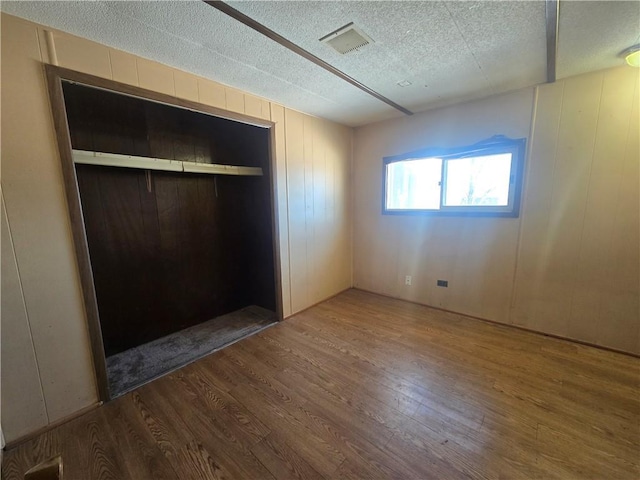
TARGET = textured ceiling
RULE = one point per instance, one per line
(450, 51)
(447, 50)
(592, 35)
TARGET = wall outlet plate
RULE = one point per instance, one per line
(407, 280)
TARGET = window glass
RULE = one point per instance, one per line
(482, 180)
(414, 184)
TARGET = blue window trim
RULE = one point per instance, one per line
(493, 145)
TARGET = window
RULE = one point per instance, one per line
(482, 179)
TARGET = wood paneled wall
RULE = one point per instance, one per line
(18, 385)
(569, 265)
(578, 263)
(38, 219)
(476, 255)
(316, 207)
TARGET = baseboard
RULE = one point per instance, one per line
(319, 302)
(29, 436)
(509, 325)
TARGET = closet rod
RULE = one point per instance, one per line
(149, 163)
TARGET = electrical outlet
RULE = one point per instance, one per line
(407, 280)
(443, 283)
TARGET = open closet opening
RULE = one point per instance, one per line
(177, 212)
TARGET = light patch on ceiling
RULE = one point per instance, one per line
(347, 39)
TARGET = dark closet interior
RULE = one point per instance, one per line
(170, 250)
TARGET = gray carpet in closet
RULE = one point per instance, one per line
(134, 367)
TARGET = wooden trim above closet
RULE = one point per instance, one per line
(55, 76)
(132, 91)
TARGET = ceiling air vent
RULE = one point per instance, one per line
(347, 39)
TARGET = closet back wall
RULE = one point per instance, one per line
(170, 250)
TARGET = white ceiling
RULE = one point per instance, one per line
(450, 51)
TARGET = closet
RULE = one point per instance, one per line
(177, 211)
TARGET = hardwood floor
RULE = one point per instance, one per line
(364, 386)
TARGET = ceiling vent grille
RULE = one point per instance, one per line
(347, 39)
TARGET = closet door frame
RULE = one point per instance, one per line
(55, 75)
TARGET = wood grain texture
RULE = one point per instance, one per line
(364, 386)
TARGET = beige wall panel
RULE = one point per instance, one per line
(43, 42)
(310, 240)
(23, 409)
(320, 286)
(211, 93)
(592, 284)
(476, 255)
(333, 244)
(186, 85)
(124, 67)
(578, 266)
(533, 257)
(344, 195)
(277, 114)
(294, 125)
(234, 100)
(620, 308)
(252, 106)
(155, 76)
(318, 171)
(332, 207)
(82, 55)
(266, 109)
(341, 137)
(37, 212)
(257, 107)
(327, 152)
(578, 124)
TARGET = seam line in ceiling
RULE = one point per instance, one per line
(464, 39)
(267, 32)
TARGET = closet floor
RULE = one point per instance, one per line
(136, 366)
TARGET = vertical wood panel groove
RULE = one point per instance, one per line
(555, 158)
(581, 242)
(524, 192)
(286, 190)
(24, 306)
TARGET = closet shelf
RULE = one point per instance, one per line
(148, 163)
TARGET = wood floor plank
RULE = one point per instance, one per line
(218, 444)
(221, 407)
(88, 444)
(364, 386)
(282, 419)
(141, 455)
(282, 460)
